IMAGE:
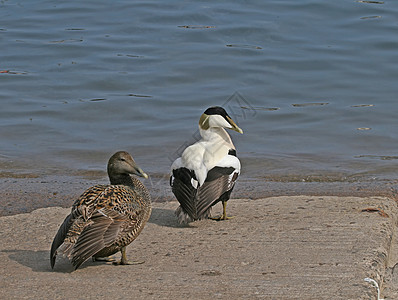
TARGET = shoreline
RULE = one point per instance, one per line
(30, 183)
(23, 193)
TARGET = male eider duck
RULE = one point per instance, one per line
(105, 218)
(206, 172)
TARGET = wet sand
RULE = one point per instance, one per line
(290, 247)
(22, 193)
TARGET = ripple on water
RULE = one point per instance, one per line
(314, 80)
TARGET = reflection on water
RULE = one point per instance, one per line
(362, 105)
(316, 83)
(309, 104)
(244, 46)
(371, 2)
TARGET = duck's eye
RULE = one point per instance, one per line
(122, 159)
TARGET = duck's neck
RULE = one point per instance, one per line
(122, 179)
(216, 134)
(133, 183)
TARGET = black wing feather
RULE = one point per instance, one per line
(184, 191)
(196, 202)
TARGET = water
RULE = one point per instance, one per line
(313, 84)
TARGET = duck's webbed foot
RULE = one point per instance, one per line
(125, 261)
(106, 259)
(224, 216)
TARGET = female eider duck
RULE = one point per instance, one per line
(206, 172)
(105, 218)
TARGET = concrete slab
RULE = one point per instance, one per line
(299, 247)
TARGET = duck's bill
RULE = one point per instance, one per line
(234, 126)
(141, 173)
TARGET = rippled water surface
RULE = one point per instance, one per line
(313, 84)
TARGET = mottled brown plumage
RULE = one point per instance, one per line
(105, 218)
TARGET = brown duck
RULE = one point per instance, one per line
(105, 219)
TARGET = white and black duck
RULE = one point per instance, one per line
(206, 172)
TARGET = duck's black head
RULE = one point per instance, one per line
(216, 116)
